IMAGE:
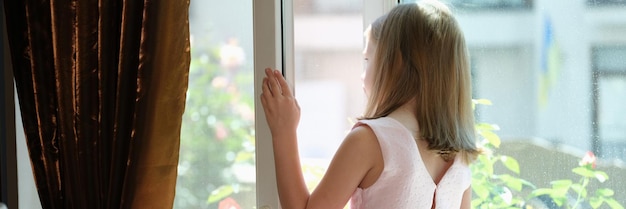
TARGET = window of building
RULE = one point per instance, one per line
(609, 97)
(601, 3)
(492, 4)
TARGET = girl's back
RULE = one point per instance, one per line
(405, 180)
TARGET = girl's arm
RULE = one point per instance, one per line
(466, 203)
(354, 158)
(282, 113)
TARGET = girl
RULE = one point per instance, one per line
(413, 145)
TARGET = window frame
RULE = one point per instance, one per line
(275, 47)
(8, 158)
(268, 49)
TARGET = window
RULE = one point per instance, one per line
(217, 154)
(609, 95)
(598, 3)
(328, 47)
(556, 77)
(492, 4)
(554, 72)
(327, 6)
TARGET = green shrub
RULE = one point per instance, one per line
(494, 190)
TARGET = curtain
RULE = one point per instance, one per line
(101, 87)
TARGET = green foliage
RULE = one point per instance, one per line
(217, 131)
(505, 190)
(560, 190)
(495, 190)
(220, 193)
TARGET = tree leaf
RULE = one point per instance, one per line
(601, 176)
(614, 204)
(528, 183)
(512, 182)
(244, 157)
(487, 127)
(559, 200)
(510, 163)
(491, 137)
(481, 191)
(488, 165)
(541, 191)
(482, 101)
(582, 191)
(605, 192)
(476, 202)
(584, 171)
(220, 193)
(595, 202)
(561, 184)
(555, 194)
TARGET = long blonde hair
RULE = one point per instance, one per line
(421, 54)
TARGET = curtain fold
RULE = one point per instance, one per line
(101, 86)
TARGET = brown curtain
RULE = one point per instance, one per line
(101, 87)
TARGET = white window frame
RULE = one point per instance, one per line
(274, 47)
(266, 18)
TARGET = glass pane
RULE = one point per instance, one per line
(611, 114)
(217, 159)
(611, 59)
(538, 72)
(492, 4)
(606, 3)
(328, 64)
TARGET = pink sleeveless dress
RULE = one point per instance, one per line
(404, 181)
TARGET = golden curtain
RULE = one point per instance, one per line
(101, 87)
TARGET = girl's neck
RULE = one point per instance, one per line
(405, 114)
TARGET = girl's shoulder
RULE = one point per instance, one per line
(377, 122)
(364, 136)
(362, 131)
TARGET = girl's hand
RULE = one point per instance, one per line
(282, 111)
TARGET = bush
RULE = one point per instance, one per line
(504, 190)
(217, 132)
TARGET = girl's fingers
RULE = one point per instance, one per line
(265, 88)
(286, 91)
(263, 101)
(272, 81)
(275, 84)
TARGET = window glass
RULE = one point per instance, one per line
(492, 4)
(328, 45)
(601, 3)
(610, 97)
(556, 77)
(611, 116)
(610, 59)
(217, 158)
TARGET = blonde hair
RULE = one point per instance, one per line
(421, 54)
